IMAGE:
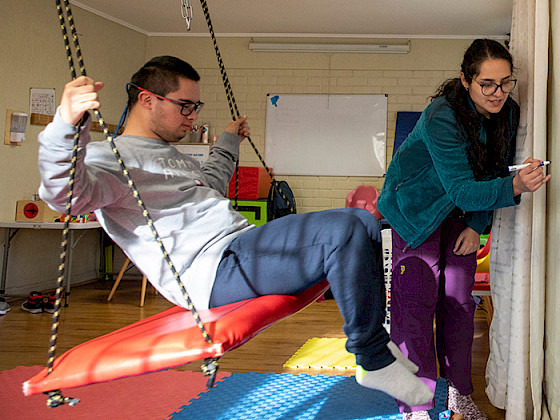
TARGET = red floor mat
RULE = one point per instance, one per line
(152, 396)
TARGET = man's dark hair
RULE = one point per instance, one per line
(160, 75)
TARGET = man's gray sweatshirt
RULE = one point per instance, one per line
(184, 199)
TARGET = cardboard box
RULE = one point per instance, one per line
(254, 183)
(35, 211)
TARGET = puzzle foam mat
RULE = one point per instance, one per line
(322, 353)
(286, 396)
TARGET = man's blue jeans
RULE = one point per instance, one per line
(290, 254)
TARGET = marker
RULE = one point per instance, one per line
(524, 165)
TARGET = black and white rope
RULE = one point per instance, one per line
(54, 396)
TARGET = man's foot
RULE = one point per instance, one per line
(397, 381)
(401, 358)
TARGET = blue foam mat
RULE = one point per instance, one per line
(288, 396)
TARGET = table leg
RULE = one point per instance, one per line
(8, 238)
(5, 261)
(71, 245)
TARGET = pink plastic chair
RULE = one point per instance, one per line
(364, 197)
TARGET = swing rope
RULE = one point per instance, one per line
(55, 397)
(210, 366)
(233, 106)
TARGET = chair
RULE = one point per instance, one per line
(485, 250)
(364, 197)
(482, 279)
(119, 278)
(482, 289)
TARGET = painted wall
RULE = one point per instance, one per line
(33, 56)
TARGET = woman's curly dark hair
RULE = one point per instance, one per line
(490, 158)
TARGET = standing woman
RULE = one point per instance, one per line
(439, 194)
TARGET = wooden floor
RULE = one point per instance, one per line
(24, 337)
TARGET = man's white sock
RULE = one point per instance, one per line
(397, 381)
(401, 358)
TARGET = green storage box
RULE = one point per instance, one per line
(253, 210)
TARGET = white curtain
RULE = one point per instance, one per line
(551, 408)
(514, 372)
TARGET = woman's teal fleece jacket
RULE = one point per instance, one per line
(430, 175)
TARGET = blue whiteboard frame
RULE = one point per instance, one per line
(326, 134)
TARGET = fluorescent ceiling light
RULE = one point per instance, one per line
(339, 48)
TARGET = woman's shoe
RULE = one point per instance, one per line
(463, 405)
(416, 415)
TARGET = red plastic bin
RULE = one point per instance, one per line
(254, 183)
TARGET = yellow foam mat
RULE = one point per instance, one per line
(322, 353)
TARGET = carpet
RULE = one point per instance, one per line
(286, 396)
(150, 397)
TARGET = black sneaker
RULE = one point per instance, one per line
(34, 303)
(49, 304)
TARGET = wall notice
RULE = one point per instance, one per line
(42, 101)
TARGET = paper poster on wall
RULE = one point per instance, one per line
(336, 135)
(42, 101)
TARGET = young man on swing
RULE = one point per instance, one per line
(220, 257)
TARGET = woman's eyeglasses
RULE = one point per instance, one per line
(490, 88)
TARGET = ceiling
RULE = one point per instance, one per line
(315, 18)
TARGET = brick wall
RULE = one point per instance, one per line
(407, 79)
(407, 90)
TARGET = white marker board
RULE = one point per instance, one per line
(333, 135)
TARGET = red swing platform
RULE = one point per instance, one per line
(167, 340)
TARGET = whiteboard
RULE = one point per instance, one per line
(336, 135)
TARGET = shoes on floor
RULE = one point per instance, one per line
(4, 307)
(463, 404)
(34, 303)
(48, 305)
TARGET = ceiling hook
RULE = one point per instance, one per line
(187, 12)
